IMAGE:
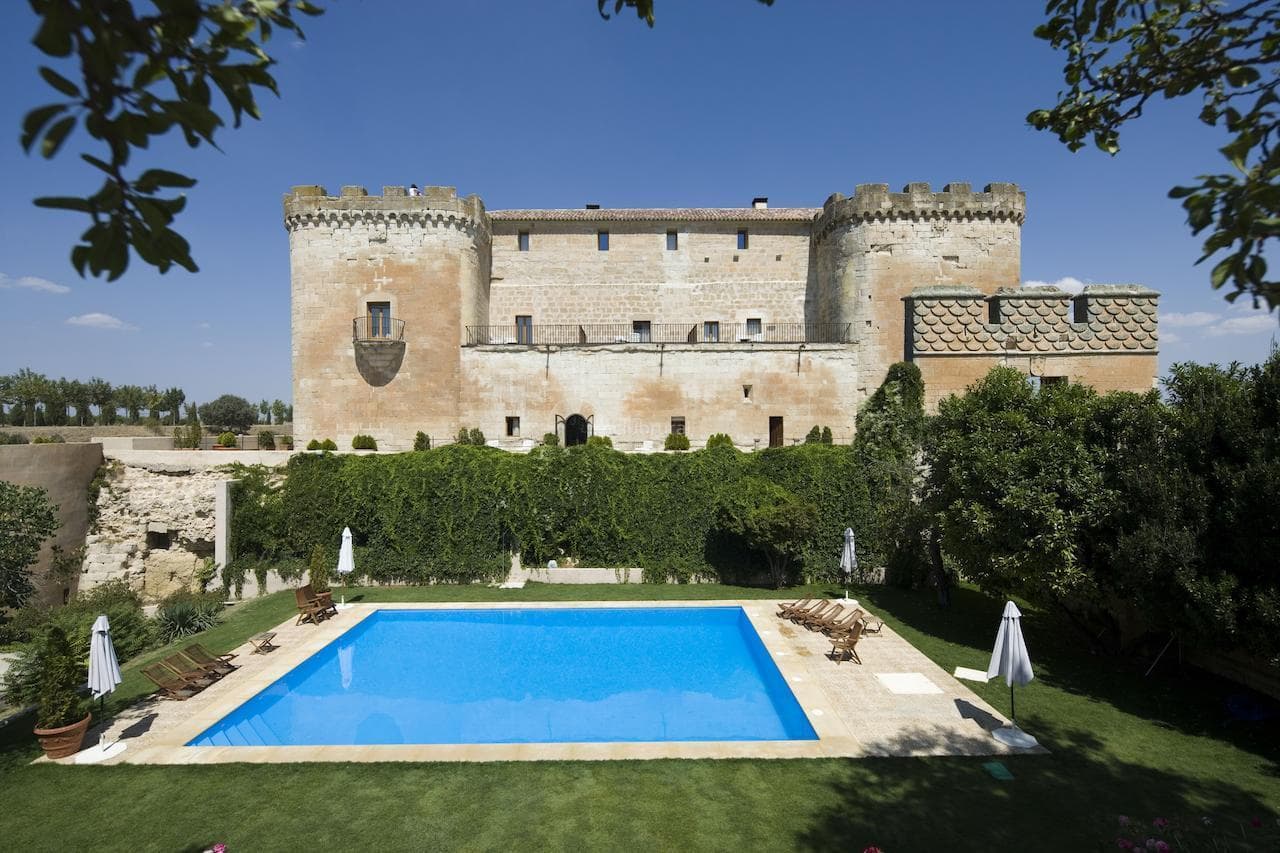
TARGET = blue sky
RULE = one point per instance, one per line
(546, 105)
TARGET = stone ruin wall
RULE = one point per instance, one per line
(1106, 337)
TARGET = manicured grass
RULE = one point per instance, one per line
(1121, 744)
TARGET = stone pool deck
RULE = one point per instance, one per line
(895, 703)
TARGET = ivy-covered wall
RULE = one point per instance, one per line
(454, 514)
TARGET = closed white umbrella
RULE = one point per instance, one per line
(1011, 660)
(104, 675)
(346, 559)
(346, 664)
(848, 560)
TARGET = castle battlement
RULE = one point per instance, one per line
(957, 201)
(312, 205)
(961, 320)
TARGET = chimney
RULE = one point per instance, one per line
(760, 202)
(593, 207)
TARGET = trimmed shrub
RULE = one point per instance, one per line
(363, 442)
(814, 435)
(421, 441)
(12, 438)
(550, 440)
(676, 441)
(328, 444)
(599, 441)
(318, 569)
(266, 440)
(185, 613)
(227, 439)
(56, 438)
(285, 442)
(62, 673)
(314, 444)
(476, 437)
(826, 435)
(719, 439)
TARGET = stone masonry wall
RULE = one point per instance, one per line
(633, 392)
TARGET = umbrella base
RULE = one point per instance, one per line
(1015, 737)
(101, 752)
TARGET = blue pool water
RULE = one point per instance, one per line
(543, 675)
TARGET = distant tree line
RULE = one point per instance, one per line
(28, 398)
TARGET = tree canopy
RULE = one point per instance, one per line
(1122, 54)
(27, 519)
(229, 413)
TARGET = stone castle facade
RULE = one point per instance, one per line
(429, 312)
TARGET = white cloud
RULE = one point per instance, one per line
(1248, 325)
(1068, 283)
(1194, 318)
(203, 326)
(101, 321)
(1169, 338)
(31, 282)
(206, 344)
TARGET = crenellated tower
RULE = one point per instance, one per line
(383, 288)
(872, 249)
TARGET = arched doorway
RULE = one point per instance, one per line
(575, 430)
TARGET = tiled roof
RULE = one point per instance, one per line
(661, 214)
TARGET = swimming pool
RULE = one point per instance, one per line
(535, 675)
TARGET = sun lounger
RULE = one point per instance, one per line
(846, 645)
(812, 610)
(842, 625)
(809, 617)
(193, 672)
(171, 685)
(785, 610)
(826, 620)
(217, 663)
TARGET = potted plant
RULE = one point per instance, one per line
(226, 441)
(60, 727)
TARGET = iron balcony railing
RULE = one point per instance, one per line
(378, 328)
(588, 334)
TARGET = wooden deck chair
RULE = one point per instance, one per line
(828, 618)
(188, 669)
(325, 599)
(170, 685)
(785, 609)
(309, 609)
(814, 609)
(817, 615)
(202, 656)
(846, 645)
(842, 625)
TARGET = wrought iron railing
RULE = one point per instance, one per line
(588, 334)
(377, 329)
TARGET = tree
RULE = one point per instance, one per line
(173, 398)
(1121, 54)
(278, 411)
(229, 413)
(27, 519)
(28, 388)
(264, 410)
(132, 399)
(139, 74)
(155, 402)
(770, 519)
(103, 396)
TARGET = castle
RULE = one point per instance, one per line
(427, 312)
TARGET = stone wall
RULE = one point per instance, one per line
(632, 392)
(65, 472)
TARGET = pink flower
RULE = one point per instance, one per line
(1151, 843)
(1160, 823)
(871, 849)
(1162, 847)
(1124, 820)
(219, 848)
(1124, 844)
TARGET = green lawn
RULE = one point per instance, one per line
(1121, 744)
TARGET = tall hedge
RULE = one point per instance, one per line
(455, 513)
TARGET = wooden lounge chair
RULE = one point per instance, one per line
(842, 625)
(172, 686)
(785, 610)
(310, 609)
(826, 620)
(817, 607)
(217, 663)
(325, 598)
(846, 645)
(185, 667)
(812, 616)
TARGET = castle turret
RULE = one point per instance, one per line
(383, 290)
(874, 248)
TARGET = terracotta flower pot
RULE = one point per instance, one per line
(59, 743)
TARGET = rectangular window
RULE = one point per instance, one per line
(522, 240)
(775, 431)
(379, 319)
(753, 328)
(524, 329)
(1079, 310)
(677, 426)
(513, 426)
(711, 331)
(742, 238)
(673, 241)
(602, 241)
(641, 331)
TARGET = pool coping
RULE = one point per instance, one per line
(835, 738)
